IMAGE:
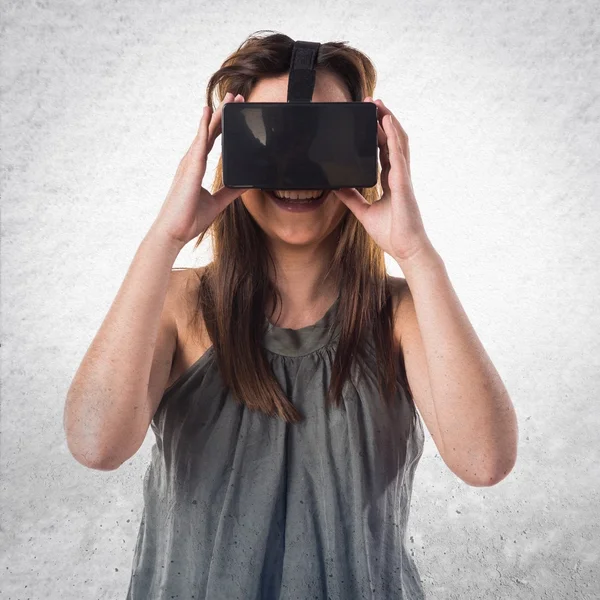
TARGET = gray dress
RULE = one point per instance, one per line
(239, 505)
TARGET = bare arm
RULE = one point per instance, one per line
(110, 403)
(124, 373)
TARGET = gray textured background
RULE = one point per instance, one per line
(101, 99)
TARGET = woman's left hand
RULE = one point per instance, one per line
(394, 222)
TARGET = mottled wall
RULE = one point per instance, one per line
(101, 99)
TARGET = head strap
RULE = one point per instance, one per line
(301, 81)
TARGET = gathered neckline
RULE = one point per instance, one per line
(302, 341)
(318, 323)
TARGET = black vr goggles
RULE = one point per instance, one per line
(299, 145)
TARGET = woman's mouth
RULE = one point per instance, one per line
(299, 204)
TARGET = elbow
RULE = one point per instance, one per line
(486, 476)
(492, 476)
(505, 463)
(493, 470)
(501, 472)
(86, 448)
(94, 461)
(89, 458)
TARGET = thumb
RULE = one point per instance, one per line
(227, 195)
(353, 200)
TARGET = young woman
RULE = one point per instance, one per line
(287, 441)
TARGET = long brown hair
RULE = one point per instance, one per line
(234, 288)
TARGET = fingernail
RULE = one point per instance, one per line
(238, 96)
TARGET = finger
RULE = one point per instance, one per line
(216, 121)
(203, 118)
(381, 136)
(227, 97)
(203, 133)
(215, 117)
(199, 149)
(383, 151)
(214, 129)
(380, 132)
(196, 154)
(382, 143)
(396, 156)
(384, 157)
(397, 127)
(384, 110)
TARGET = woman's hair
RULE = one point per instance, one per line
(234, 288)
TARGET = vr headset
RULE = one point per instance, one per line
(299, 145)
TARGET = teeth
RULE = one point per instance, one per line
(291, 195)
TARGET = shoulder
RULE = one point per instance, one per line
(398, 287)
(183, 295)
(401, 300)
(184, 283)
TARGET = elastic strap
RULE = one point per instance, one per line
(301, 83)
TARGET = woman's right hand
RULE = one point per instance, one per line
(189, 209)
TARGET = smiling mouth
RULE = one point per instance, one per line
(307, 199)
(322, 192)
